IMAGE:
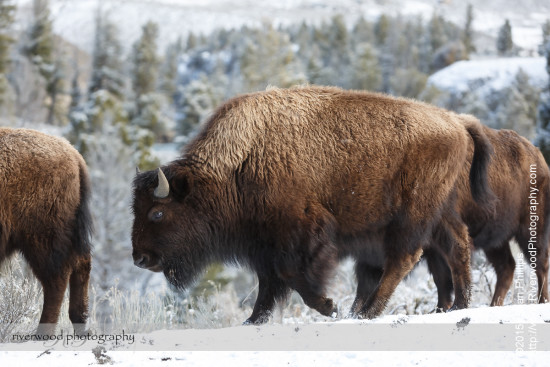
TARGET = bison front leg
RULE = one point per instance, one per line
(270, 290)
(395, 268)
(314, 298)
(368, 278)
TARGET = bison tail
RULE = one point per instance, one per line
(84, 228)
(479, 170)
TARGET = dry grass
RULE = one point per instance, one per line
(221, 304)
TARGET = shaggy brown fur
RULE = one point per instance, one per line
(287, 182)
(519, 176)
(44, 190)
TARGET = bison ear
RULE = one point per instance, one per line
(179, 186)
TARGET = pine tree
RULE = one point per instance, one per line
(41, 51)
(362, 32)
(381, 29)
(505, 44)
(518, 106)
(147, 112)
(41, 48)
(107, 69)
(199, 98)
(468, 32)
(7, 15)
(169, 69)
(436, 28)
(270, 60)
(366, 71)
(340, 41)
(408, 83)
(145, 61)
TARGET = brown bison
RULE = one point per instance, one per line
(519, 176)
(287, 182)
(44, 191)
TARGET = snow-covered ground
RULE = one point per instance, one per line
(516, 335)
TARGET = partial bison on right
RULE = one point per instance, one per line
(519, 176)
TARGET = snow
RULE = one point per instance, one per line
(484, 336)
(490, 74)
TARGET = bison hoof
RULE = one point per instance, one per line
(80, 329)
(456, 307)
(328, 308)
(257, 320)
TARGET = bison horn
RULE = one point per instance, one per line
(163, 189)
(137, 170)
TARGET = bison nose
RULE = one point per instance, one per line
(142, 261)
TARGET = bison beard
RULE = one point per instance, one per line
(288, 182)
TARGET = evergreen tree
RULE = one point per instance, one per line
(408, 83)
(7, 14)
(505, 44)
(41, 51)
(41, 45)
(192, 41)
(145, 61)
(104, 112)
(169, 69)
(518, 107)
(468, 32)
(147, 112)
(381, 29)
(107, 69)
(199, 98)
(340, 41)
(363, 32)
(436, 28)
(366, 71)
(270, 60)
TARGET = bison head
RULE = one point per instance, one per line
(171, 231)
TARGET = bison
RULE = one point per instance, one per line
(519, 176)
(287, 182)
(44, 215)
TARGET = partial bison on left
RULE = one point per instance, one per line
(44, 214)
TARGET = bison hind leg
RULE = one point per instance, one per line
(395, 268)
(78, 291)
(54, 290)
(368, 278)
(503, 262)
(454, 245)
(442, 278)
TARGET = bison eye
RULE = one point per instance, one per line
(157, 216)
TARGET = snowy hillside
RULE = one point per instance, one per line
(74, 19)
(515, 331)
(487, 76)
